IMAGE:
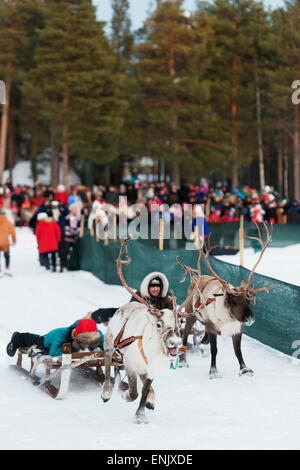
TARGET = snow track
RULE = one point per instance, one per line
(192, 412)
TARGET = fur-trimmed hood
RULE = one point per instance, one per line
(92, 339)
(146, 281)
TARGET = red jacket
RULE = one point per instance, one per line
(63, 198)
(48, 236)
(214, 219)
(227, 218)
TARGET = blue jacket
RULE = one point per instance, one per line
(55, 339)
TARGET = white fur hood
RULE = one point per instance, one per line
(146, 281)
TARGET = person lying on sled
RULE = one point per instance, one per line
(83, 334)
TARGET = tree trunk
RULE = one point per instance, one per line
(65, 146)
(234, 135)
(4, 130)
(286, 166)
(296, 153)
(65, 156)
(107, 175)
(175, 173)
(33, 152)
(259, 134)
(279, 165)
(54, 159)
(11, 141)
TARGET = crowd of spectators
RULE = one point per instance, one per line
(222, 204)
(59, 215)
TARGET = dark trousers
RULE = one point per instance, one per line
(6, 258)
(44, 257)
(103, 314)
(64, 252)
(26, 340)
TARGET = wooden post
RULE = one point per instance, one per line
(106, 241)
(81, 226)
(241, 237)
(115, 228)
(196, 236)
(161, 235)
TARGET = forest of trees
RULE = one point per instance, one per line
(204, 93)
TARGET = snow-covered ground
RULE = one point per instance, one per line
(279, 263)
(192, 412)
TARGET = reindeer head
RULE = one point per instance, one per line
(166, 326)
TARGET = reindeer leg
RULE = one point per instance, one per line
(150, 403)
(188, 326)
(213, 373)
(244, 370)
(107, 386)
(140, 413)
(203, 344)
(131, 394)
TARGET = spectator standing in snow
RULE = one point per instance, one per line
(48, 236)
(71, 233)
(7, 231)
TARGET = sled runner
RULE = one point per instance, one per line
(63, 365)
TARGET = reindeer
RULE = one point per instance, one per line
(144, 336)
(222, 308)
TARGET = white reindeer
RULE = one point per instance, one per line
(145, 336)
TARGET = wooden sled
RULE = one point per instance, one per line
(90, 361)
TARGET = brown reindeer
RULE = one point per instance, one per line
(222, 308)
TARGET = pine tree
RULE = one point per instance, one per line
(12, 43)
(75, 74)
(171, 110)
(234, 52)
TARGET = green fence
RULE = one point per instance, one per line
(277, 314)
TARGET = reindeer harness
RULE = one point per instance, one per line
(120, 344)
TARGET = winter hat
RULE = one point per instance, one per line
(155, 282)
(86, 332)
(1, 191)
(42, 216)
(60, 188)
(54, 203)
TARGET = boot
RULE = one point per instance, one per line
(11, 348)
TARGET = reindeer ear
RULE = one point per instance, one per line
(151, 317)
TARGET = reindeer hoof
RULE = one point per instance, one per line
(104, 399)
(140, 419)
(214, 374)
(246, 371)
(183, 364)
(126, 396)
(150, 405)
(36, 383)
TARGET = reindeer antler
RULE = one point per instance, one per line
(196, 281)
(263, 249)
(245, 289)
(120, 261)
(224, 283)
